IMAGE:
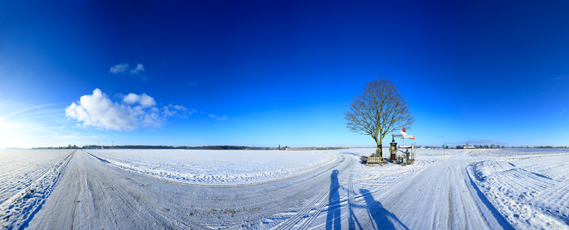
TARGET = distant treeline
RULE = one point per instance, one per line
(233, 147)
(498, 147)
(212, 147)
(551, 147)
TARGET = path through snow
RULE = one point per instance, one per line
(94, 195)
(437, 192)
(438, 195)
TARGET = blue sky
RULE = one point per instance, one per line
(264, 73)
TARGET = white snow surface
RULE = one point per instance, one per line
(34, 181)
(215, 166)
(156, 189)
(517, 152)
(20, 168)
(531, 192)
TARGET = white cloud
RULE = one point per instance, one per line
(146, 101)
(120, 68)
(177, 110)
(179, 107)
(124, 67)
(143, 99)
(217, 118)
(138, 70)
(97, 110)
(131, 98)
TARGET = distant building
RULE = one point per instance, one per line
(468, 146)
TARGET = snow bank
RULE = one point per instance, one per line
(215, 166)
(17, 211)
(531, 192)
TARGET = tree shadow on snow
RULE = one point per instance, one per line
(383, 219)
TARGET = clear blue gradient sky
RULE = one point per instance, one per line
(264, 73)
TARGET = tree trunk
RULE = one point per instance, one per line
(380, 148)
(378, 142)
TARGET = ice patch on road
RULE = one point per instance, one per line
(215, 166)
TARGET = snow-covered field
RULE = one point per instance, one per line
(215, 167)
(517, 152)
(331, 189)
(27, 178)
(20, 168)
(531, 192)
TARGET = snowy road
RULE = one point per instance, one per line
(94, 195)
(440, 197)
(433, 196)
(436, 192)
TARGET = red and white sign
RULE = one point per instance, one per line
(403, 134)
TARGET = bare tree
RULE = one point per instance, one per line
(379, 110)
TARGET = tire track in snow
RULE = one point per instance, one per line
(17, 211)
(19, 169)
(450, 203)
(351, 201)
(113, 198)
(435, 196)
(323, 204)
(351, 217)
(321, 200)
(524, 191)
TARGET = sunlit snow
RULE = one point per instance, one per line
(198, 189)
